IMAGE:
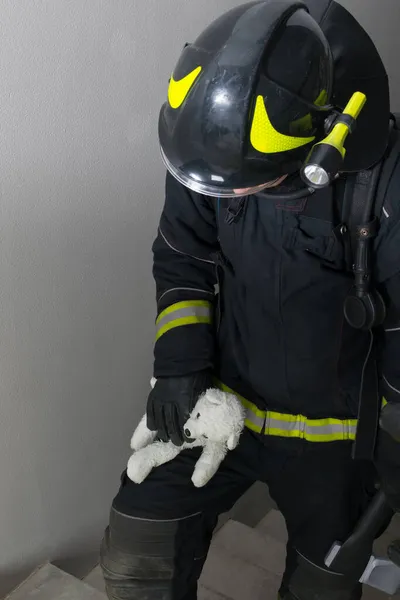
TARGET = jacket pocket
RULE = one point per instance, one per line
(319, 239)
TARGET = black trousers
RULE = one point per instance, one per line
(160, 531)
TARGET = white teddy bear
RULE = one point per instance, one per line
(216, 424)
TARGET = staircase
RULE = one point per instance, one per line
(244, 563)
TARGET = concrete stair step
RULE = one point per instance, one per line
(237, 580)
(206, 594)
(243, 564)
(274, 526)
(95, 579)
(251, 546)
(50, 583)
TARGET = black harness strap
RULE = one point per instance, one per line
(363, 203)
(358, 211)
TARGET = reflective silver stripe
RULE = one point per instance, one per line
(191, 312)
(393, 329)
(306, 427)
(182, 313)
(309, 429)
(331, 429)
(294, 426)
(256, 421)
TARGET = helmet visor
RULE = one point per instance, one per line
(193, 181)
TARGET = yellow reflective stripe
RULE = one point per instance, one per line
(294, 426)
(179, 305)
(334, 437)
(287, 418)
(191, 312)
(281, 432)
(180, 322)
(314, 430)
(255, 413)
(253, 426)
(246, 403)
(311, 422)
(326, 422)
(384, 402)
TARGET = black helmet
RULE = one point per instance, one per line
(248, 100)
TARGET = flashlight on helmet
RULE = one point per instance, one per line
(326, 158)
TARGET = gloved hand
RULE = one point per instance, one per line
(171, 402)
(388, 454)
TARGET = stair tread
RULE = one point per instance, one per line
(251, 546)
(95, 579)
(50, 583)
(370, 593)
(243, 563)
(207, 594)
(392, 533)
(236, 579)
(274, 526)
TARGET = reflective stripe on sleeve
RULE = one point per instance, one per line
(191, 312)
(295, 426)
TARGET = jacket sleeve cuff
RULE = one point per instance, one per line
(184, 339)
(182, 314)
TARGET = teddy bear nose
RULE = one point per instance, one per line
(188, 433)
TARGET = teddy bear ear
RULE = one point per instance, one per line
(214, 397)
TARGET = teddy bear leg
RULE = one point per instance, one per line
(208, 463)
(145, 460)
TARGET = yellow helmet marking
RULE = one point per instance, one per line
(266, 139)
(178, 90)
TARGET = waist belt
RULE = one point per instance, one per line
(267, 422)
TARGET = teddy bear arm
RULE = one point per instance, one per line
(208, 464)
(142, 436)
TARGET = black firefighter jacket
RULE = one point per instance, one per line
(260, 299)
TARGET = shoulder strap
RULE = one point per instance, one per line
(359, 197)
(357, 207)
(365, 192)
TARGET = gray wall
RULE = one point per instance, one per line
(81, 189)
(381, 18)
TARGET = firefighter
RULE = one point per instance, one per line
(252, 269)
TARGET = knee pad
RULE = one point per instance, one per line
(153, 560)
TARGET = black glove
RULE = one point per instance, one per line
(171, 402)
(388, 455)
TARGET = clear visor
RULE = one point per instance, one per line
(194, 183)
